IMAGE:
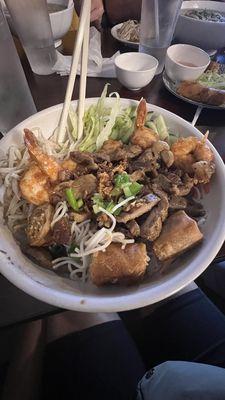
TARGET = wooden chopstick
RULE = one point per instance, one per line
(84, 17)
(83, 77)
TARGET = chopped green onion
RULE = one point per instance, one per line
(76, 204)
(80, 203)
(116, 192)
(127, 191)
(135, 188)
(72, 248)
(121, 180)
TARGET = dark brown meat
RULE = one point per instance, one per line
(39, 225)
(84, 160)
(146, 161)
(185, 187)
(113, 149)
(172, 183)
(134, 228)
(61, 231)
(138, 208)
(178, 235)
(151, 228)
(163, 182)
(116, 265)
(137, 175)
(195, 209)
(84, 186)
(177, 203)
(79, 217)
(41, 257)
(104, 220)
(132, 151)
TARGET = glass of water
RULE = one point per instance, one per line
(16, 102)
(158, 21)
(32, 23)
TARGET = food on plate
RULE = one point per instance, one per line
(209, 88)
(196, 91)
(204, 14)
(104, 207)
(214, 76)
(130, 31)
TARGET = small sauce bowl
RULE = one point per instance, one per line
(135, 70)
(185, 62)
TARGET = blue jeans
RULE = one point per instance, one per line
(104, 362)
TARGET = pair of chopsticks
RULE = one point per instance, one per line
(81, 43)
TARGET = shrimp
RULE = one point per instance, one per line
(189, 153)
(35, 182)
(34, 186)
(46, 163)
(143, 136)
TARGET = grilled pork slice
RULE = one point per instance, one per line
(151, 228)
(139, 208)
(179, 234)
(84, 186)
(117, 265)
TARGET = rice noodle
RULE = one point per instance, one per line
(122, 203)
(89, 242)
(60, 212)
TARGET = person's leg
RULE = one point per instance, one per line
(188, 327)
(23, 378)
(98, 362)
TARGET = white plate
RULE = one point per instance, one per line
(172, 87)
(51, 288)
(127, 42)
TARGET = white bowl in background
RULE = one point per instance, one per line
(61, 20)
(185, 62)
(205, 34)
(51, 288)
(135, 70)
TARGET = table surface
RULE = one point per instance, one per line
(50, 90)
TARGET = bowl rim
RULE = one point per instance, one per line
(201, 21)
(61, 11)
(136, 54)
(136, 299)
(187, 66)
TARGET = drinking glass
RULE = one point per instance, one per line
(32, 24)
(158, 21)
(16, 102)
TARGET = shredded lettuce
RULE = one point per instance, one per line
(106, 131)
(213, 80)
(102, 122)
(124, 125)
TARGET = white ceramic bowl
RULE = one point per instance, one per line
(205, 34)
(61, 20)
(185, 62)
(53, 289)
(135, 70)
